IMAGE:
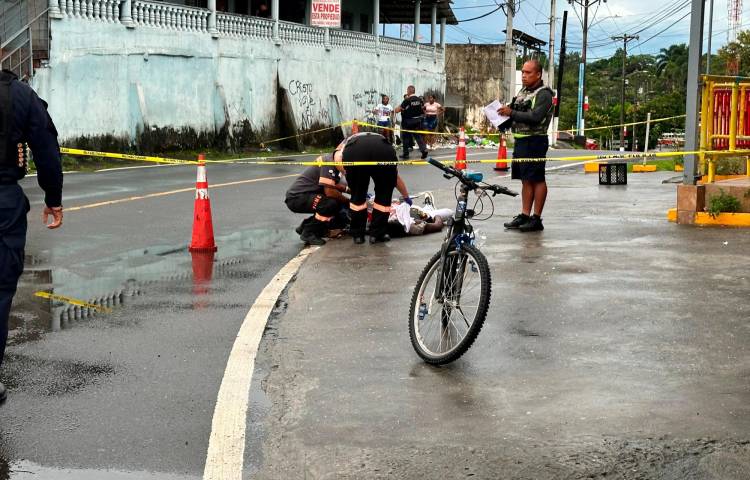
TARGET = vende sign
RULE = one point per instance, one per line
(326, 13)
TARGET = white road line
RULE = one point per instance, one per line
(226, 446)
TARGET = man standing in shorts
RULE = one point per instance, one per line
(530, 113)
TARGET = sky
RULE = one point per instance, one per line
(665, 25)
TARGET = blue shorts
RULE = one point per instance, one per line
(384, 123)
(430, 122)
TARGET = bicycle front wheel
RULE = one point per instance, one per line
(449, 305)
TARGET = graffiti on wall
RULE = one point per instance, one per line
(309, 108)
(367, 99)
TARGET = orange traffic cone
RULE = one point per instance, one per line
(355, 127)
(502, 154)
(203, 228)
(461, 151)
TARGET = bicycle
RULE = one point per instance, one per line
(456, 283)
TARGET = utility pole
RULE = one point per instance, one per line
(710, 34)
(556, 115)
(692, 104)
(625, 39)
(551, 67)
(510, 53)
(582, 67)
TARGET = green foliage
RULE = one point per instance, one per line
(655, 83)
(730, 166)
(723, 202)
(736, 51)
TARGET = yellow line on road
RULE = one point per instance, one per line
(226, 445)
(172, 192)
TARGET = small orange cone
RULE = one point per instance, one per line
(203, 228)
(355, 127)
(502, 154)
(461, 151)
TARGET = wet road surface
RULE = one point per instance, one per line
(131, 394)
(616, 346)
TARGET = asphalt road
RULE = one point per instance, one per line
(134, 390)
(131, 394)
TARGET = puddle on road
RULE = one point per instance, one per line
(113, 282)
(24, 470)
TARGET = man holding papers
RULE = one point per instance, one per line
(529, 114)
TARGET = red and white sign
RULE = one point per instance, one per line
(326, 13)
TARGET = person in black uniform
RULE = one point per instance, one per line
(412, 111)
(320, 191)
(23, 121)
(371, 147)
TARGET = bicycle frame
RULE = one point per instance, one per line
(457, 228)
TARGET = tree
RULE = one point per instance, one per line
(739, 52)
(671, 64)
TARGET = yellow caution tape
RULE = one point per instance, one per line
(125, 156)
(654, 120)
(320, 163)
(72, 301)
(332, 127)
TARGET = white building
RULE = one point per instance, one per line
(197, 72)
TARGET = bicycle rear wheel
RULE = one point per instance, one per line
(443, 324)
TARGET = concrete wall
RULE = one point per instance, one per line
(105, 80)
(475, 75)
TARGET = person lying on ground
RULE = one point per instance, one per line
(406, 220)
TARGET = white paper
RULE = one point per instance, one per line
(490, 111)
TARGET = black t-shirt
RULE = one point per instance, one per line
(412, 107)
(313, 179)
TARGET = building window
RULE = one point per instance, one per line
(260, 8)
(364, 23)
(347, 21)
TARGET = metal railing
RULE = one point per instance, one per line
(25, 43)
(725, 119)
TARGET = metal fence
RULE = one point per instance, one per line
(24, 35)
(725, 119)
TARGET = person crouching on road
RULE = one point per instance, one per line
(530, 113)
(320, 191)
(370, 147)
(23, 120)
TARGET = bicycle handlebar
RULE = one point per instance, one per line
(454, 172)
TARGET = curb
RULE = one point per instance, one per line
(721, 220)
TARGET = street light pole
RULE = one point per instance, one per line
(625, 39)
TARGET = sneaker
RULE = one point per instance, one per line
(359, 240)
(534, 224)
(517, 221)
(429, 199)
(404, 157)
(311, 239)
(424, 154)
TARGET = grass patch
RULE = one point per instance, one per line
(662, 164)
(723, 203)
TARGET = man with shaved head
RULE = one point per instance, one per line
(530, 113)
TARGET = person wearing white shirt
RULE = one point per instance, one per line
(384, 111)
